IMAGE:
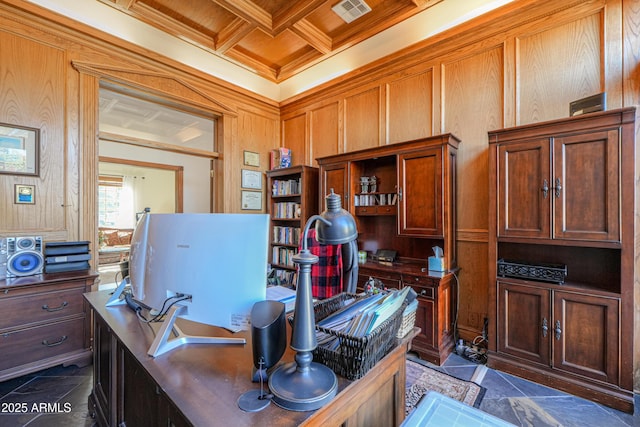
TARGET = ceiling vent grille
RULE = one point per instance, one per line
(350, 10)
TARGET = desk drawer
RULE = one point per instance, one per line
(41, 307)
(33, 344)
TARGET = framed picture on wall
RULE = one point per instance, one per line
(251, 179)
(25, 194)
(19, 150)
(251, 159)
(252, 200)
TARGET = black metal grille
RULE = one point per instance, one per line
(554, 273)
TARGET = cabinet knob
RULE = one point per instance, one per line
(558, 330)
(558, 187)
(545, 188)
(545, 327)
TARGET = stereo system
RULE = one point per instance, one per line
(21, 256)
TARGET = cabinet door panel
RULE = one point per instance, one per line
(523, 313)
(420, 205)
(586, 339)
(334, 177)
(523, 205)
(586, 171)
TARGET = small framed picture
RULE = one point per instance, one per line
(251, 159)
(252, 200)
(25, 194)
(251, 179)
(19, 150)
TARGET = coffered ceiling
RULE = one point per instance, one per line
(275, 39)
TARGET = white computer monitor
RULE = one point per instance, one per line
(219, 260)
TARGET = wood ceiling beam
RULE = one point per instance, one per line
(312, 35)
(249, 11)
(232, 34)
(296, 11)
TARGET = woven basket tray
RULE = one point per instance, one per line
(355, 355)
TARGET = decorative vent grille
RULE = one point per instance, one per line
(350, 10)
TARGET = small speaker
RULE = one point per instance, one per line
(24, 256)
(269, 341)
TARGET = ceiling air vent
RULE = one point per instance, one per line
(350, 10)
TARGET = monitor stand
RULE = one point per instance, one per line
(162, 342)
(115, 298)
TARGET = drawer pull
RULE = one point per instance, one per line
(423, 292)
(53, 344)
(63, 305)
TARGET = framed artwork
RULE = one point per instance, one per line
(19, 150)
(25, 194)
(251, 159)
(252, 200)
(251, 179)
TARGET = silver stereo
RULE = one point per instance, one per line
(23, 256)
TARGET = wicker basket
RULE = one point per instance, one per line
(408, 319)
(355, 355)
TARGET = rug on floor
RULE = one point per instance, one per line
(422, 378)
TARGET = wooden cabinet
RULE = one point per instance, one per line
(123, 391)
(570, 331)
(556, 199)
(546, 185)
(292, 200)
(410, 209)
(44, 322)
(413, 197)
(436, 303)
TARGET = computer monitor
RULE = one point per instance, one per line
(218, 262)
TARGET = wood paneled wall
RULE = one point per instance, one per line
(51, 72)
(521, 64)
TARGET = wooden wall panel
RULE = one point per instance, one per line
(409, 113)
(362, 120)
(294, 132)
(32, 92)
(257, 133)
(526, 68)
(472, 94)
(557, 66)
(472, 278)
(325, 137)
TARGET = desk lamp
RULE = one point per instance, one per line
(305, 385)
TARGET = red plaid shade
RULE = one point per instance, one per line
(326, 274)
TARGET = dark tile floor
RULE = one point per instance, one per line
(64, 391)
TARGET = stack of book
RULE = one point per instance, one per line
(66, 256)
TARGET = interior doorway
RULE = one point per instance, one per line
(126, 189)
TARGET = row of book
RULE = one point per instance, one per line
(361, 317)
(286, 235)
(286, 210)
(286, 187)
(282, 256)
(284, 277)
(375, 199)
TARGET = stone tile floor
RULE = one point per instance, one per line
(63, 393)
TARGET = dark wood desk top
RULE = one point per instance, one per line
(205, 381)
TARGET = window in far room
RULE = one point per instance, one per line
(110, 202)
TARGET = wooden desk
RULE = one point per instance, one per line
(200, 384)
